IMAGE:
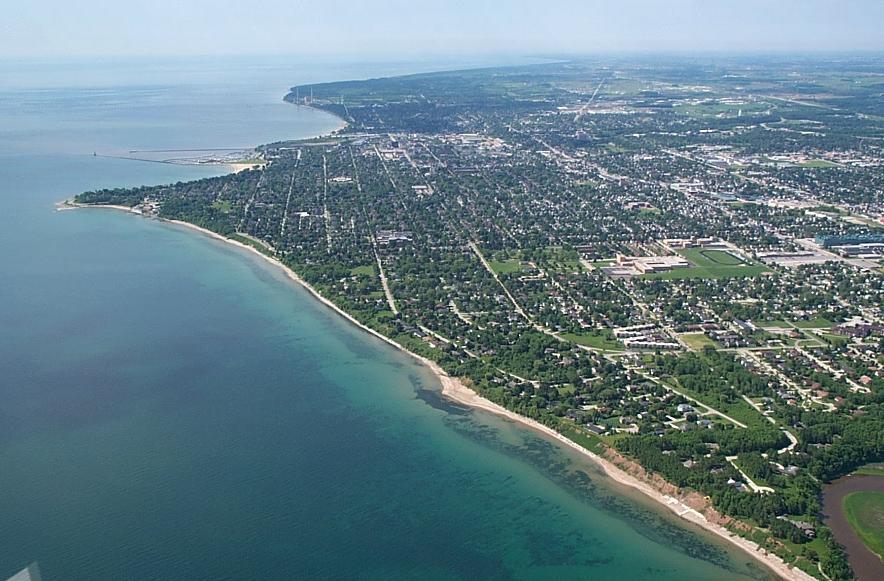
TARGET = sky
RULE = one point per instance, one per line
(409, 28)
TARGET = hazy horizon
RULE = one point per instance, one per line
(417, 28)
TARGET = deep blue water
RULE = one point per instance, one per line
(171, 408)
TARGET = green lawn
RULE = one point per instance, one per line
(836, 340)
(364, 270)
(818, 323)
(818, 164)
(597, 340)
(583, 437)
(871, 470)
(566, 390)
(827, 208)
(811, 341)
(505, 267)
(222, 206)
(717, 108)
(710, 263)
(780, 324)
(697, 341)
(865, 513)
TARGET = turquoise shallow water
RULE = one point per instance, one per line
(171, 408)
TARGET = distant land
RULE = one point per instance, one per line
(676, 268)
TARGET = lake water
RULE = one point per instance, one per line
(173, 409)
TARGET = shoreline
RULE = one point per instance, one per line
(455, 390)
(333, 133)
(72, 205)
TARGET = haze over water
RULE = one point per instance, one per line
(171, 408)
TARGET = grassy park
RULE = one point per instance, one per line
(697, 341)
(597, 340)
(506, 266)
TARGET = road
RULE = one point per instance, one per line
(756, 488)
(506, 291)
(708, 409)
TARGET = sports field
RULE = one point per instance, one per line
(711, 263)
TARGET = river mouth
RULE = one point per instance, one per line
(866, 564)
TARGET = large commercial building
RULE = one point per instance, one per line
(651, 264)
(849, 239)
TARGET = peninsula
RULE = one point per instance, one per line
(673, 268)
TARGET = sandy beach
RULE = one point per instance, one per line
(72, 205)
(457, 391)
(240, 167)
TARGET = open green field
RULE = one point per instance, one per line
(865, 513)
(818, 323)
(603, 340)
(871, 470)
(777, 324)
(832, 339)
(710, 263)
(627, 86)
(818, 164)
(506, 267)
(717, 108)
(829, 209)
(587, 439)
(364, 270)
(222, 206)
(697, 341)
